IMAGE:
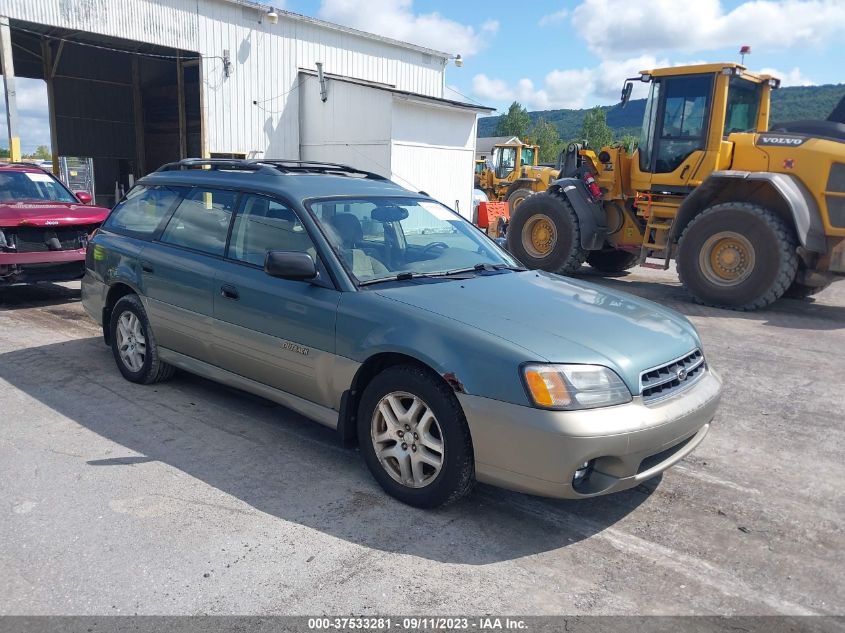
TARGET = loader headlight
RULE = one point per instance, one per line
(569, 387)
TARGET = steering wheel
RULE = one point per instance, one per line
(434, 245)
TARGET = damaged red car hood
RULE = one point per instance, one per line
(50, 214)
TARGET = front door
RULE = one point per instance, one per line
(674, 138)
(275, 331)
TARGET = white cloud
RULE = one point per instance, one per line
(490, 27)
(618, 27)
(396, 19)
(570, 88)
(553, 18)
(789, 78)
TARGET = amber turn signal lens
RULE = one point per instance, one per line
(547, 388)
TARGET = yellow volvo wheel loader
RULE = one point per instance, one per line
(513, 174)
(748, 213)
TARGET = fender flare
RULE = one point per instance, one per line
(592, 219)
(521, 183)
(794, 203)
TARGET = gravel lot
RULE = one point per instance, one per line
(188, 497)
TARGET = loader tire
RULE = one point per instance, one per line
(612, 260)
(738, 256)
(544, 234)
(517, 198)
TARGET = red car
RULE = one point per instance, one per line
(44, 228)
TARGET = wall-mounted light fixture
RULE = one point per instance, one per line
(272, 16)
(459, 61)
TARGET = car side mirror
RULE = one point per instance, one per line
(83, 196)
(293, 265)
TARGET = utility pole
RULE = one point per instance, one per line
(9, 86)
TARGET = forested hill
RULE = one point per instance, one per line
(788, 104)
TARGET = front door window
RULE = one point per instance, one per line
(684, 127)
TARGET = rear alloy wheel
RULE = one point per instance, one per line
(517, 198)
(612, 260)
(414, 437)
(738, 256)
(544, 233)
(134, 345)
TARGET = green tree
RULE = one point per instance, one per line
(515, 122)
(595, 129)
(629, 141)
(43, 152)
(4, 152)
(545, 135)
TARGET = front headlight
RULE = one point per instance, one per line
(571, 387)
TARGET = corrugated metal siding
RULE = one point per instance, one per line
(170, 23)
(433, 147)
(256, 109)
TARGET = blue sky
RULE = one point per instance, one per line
(574, 53)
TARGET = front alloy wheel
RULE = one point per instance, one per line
(407, 439)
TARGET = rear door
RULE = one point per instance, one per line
(275, 331)
(178, 271)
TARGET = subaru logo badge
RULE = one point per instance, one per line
(682, 375)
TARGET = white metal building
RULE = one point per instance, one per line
(138, 83)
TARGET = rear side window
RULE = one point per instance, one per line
(201, 221)
(143, 210)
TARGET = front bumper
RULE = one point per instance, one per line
(30, 266)
(537, 451)
(41, 257)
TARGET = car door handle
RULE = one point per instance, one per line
(147, 267)
(230, 292)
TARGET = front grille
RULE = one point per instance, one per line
(38, 240)
(666, 380)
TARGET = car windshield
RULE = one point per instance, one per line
(32, 186)
(385, 238)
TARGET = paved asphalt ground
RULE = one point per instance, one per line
(189, 497)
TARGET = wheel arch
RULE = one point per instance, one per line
(369, 369)
(520, 183)
(116, 291)
(592, 219)
(783, 194)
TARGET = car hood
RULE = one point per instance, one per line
(50, 214)
(558, 319)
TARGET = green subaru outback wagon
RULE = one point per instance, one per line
(381, 313)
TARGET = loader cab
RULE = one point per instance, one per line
(689, 113)
(511, 158)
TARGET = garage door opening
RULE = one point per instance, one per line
(128, 106)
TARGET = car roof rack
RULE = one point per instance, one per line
(228, 164)
(270, 165)
(318, 167)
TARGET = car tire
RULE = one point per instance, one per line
(738, 256)
(134, 345)
(612, 261)
(393, 415)
(548, 219)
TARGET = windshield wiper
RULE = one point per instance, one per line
(459, 273)
(484, 267)
(408, 275)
